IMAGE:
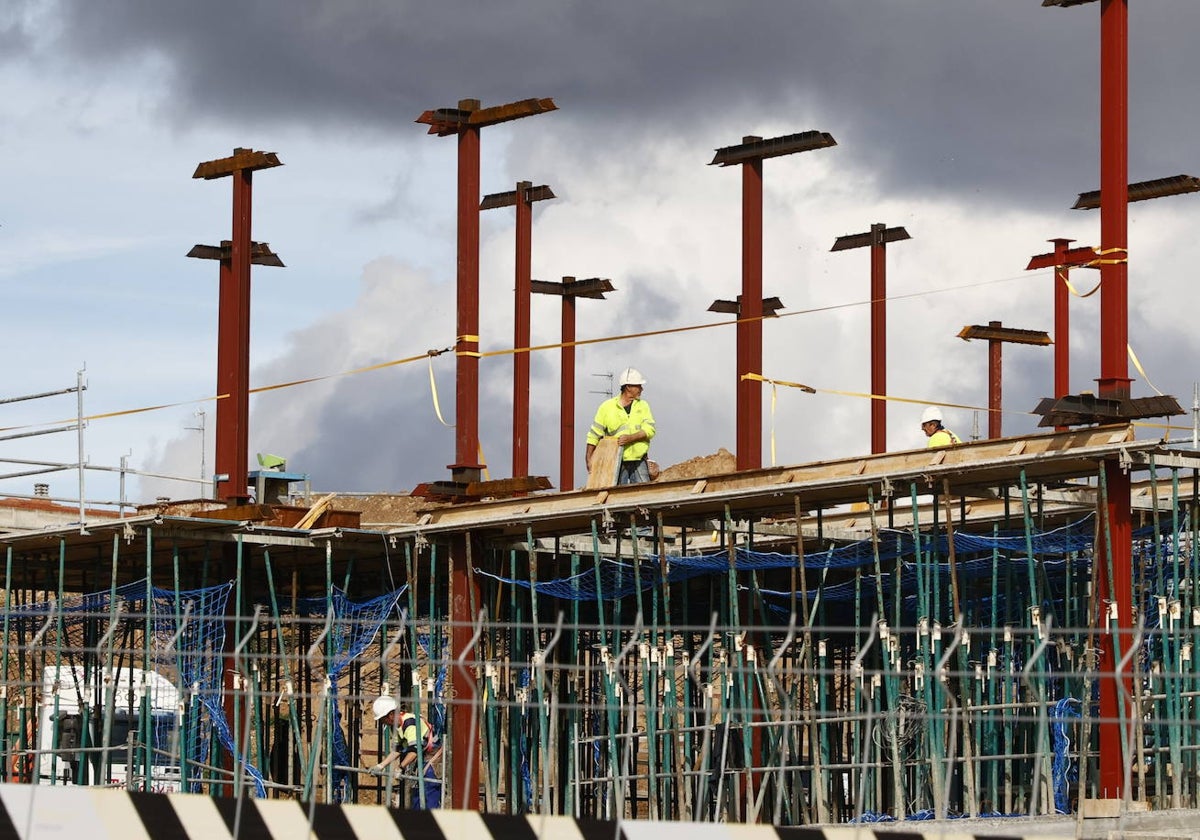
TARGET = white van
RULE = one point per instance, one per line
(61, 743)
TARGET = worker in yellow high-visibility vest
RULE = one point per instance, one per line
(931, 425)
(628, 418)
(409, 738)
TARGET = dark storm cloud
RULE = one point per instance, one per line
(358, 455)
(14, 40)
(935, 96)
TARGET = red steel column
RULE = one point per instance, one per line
(520, 451)
(1062, 320)
(878, 339)
(465, 122)
(1114, 199)
(1114, 376)
(566, 450)
(749, 328)
(1062, 323)
(464, 713)
(994, 385)
(466, 424)
(226, 433)
(233, 350)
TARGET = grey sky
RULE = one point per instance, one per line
(971, 122)
(953, 95)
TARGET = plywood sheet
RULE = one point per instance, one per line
(605, 461)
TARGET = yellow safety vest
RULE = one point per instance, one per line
(942, 437)
(611, 420)
(408, 731)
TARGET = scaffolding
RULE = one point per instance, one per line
(903, 636)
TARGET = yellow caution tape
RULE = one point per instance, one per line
(760, 378)
(468, 339)
(437, 408)
(1133, 358)
(1075, 291)
(774, 395)
(1117, 261)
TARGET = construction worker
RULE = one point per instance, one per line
(931, 425)
(405, 744)
(628, 418)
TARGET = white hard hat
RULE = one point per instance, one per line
(383, 705)
(931, 413)
(631, 376)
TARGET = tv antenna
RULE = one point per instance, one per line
(609, 391)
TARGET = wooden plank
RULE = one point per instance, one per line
(289, 516)
(498, 488)
(983, 463)
(606, 460)
(315, 511)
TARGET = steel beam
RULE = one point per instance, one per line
(521, 328)
(569, 289)
(749, 327)
(464, 732)
(522, 198)
(750, 154)
(566, 406)
(1062, 259)
(233, 329)
(995, 334)
(1115, 709)
(465, 121)
(1144, 191)
(468, 464)
(876, 239)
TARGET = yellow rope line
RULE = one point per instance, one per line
(810, 390)
(510, 351)
(122, 413)
(353, 372)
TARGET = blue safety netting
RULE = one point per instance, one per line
(187, 632)
(1063, 771)
(526, 723)
(352, 627)
(967, 570)
(925, 814)
(616, 579)
(436, 711)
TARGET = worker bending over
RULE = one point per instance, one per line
(406, 742)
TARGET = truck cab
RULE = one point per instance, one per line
(142, 710)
